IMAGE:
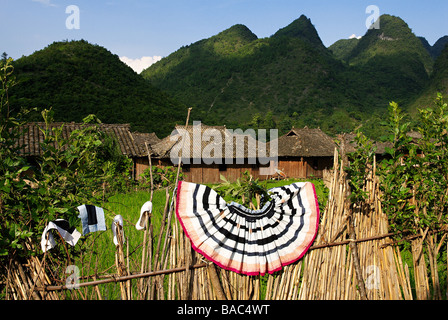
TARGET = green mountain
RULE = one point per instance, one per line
(341, 49)
(76, 79)
(438, 83)
(290, 75)
(426, 45)
(303, 29)
(395, 58)
(393, 37)
(292, 79)
(436, 49)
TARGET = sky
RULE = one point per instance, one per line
(142, 32)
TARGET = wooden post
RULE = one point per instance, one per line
(354, 249)
(119, 259)
(146, 217)
(215, 282)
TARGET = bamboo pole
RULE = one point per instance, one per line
(123, 278)
(146, 217)
(217, 287)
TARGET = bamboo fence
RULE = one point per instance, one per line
(353, 257)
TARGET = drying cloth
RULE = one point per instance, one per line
(92, 218)
(147, 207)
(248, 241)
(68, 233)
(118, 219)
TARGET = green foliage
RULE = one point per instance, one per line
(414, 179)
(162, 177)
(361, 160)
(341, 49)
(12, 188)
(243, 191)
(413, 183)
(246, 187)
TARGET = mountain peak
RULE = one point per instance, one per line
(301, 28)
(393, 27)
(239, 30)
(231, 39)
(394, 37)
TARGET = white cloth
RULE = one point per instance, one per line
(147, 207)
(68, 233)
(117, 219)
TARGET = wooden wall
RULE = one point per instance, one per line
(212, 173)
(293, 167)
(204, 173)
(140, 164)
(303, 168)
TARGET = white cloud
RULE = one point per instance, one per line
(354, 36)
(139, 64)
(45, 3)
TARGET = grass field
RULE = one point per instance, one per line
(99, 257)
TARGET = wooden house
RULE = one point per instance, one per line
(207, 152)
(130, 143)
(145, 143)
(305, 153)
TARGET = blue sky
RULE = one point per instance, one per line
(153, 29)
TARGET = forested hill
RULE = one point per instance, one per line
(77, 78)
(290, 76)
(438, 83)
(395, 57)
(291, 79)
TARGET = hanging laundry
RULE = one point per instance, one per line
(252, 242)
(118, 219)
(146, 208)
(68, 233)
(92, 218)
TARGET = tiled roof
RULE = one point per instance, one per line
(305, 142)
(33, 136)
(150, 138)
(202, 139)
(298, 142)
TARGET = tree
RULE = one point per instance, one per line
(414, 180)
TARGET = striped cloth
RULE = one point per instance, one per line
(67, 232)
(250, 242)
(92, 218)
